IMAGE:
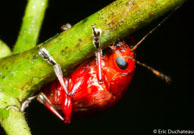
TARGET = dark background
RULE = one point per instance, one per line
(149, 103)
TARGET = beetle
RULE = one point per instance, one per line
(95, 84)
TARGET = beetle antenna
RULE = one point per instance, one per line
(151, 31)
(154, 71)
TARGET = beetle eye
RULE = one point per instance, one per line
(122, 64)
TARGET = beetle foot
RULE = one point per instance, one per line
(26, 103)
(66, 26)
(12, 107)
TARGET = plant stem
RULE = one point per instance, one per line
(73, 46)
(15, 124)
(4, 50)
(11, 118)
(31, 25)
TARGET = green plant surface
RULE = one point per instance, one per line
(4, 50)
(32, 21)
(71, 47)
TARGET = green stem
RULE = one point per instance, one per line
(15, 124)
(75, 45)
(4, 50)
(11, 118)
(31, 25)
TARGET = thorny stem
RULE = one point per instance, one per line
(70, 48)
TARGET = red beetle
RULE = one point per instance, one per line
(95, 84)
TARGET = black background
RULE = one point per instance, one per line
(149, 103)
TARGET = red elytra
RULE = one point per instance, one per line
(85, 91)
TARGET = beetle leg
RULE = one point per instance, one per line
(45, 101)
(66, 100)
(66, 108)
(46, 56)
(26, 103)
(96, 35)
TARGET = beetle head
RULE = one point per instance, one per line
(121, 58)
